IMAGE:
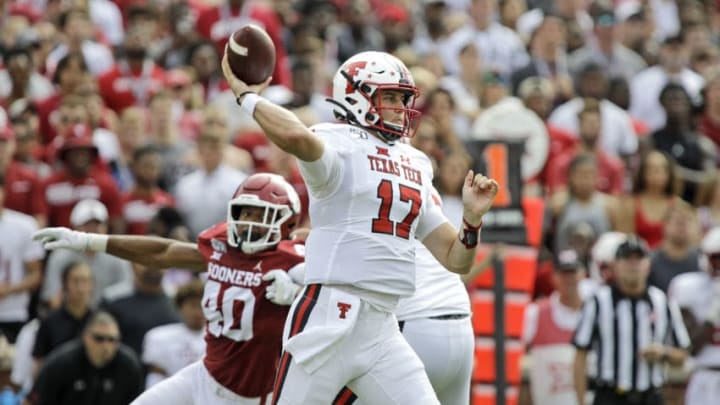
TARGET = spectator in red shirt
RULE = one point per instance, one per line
(205, 62)
(538, 95)
(68, 76)
(142, 202)
(73, 110)
(217, 23)
(28, 151)
(22, 186)
(134, 78)
(75, 181)
(611, 171)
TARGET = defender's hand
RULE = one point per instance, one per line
(282, 290)
(64, 238)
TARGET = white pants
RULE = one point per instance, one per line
(359, 346)
(703, 388)
(446, 348)
(193, 385)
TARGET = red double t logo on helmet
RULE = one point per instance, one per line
(344, 308)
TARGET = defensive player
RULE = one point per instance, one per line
(242, 256)
(369, 200)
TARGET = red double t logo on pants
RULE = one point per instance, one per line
(344, 308)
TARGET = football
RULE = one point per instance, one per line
(251, 54)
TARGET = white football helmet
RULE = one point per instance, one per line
(281, 206)
(357, 93)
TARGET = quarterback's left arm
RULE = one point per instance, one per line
(456, 251)
(33, 277)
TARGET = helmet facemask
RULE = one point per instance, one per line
(254, 236)
(389, 130)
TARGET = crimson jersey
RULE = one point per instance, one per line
(123, 86)
(61, 192)
(138, 209)
(23, 191)
(244, 329)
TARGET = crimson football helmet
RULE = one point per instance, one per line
(282, 212)
(357, 93)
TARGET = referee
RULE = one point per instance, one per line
(633, 330)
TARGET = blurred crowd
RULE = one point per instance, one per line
(115, 117)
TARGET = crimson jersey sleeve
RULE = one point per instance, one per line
(244, 329)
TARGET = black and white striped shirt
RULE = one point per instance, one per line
(617, 328)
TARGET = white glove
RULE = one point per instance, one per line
(282, 290)
(63, 238)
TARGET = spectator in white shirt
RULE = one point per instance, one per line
(106, 16)
(605, 50)
(500, 48)
(74, 24)
(20, 79)
(169, 348)
(108, 271)
(646, 86)
(202, 195)
(618, 136)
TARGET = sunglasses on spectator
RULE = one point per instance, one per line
(104, 338)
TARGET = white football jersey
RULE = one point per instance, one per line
(437, 290)
(368, 202)
(172, 347)
(16, 249)
(695, 291)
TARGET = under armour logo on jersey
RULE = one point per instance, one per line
(258, 266)
(216, 255)
(405, 159)
(344, 308)
(382, 151)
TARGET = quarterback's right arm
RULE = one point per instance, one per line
(146, 250)
(279, 124)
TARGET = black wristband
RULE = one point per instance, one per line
(238, 99)
(469, 238)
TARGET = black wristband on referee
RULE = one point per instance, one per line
(238, 99)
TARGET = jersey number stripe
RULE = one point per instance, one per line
(383, 223)
(229, 312)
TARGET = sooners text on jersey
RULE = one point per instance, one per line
(244, 329)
